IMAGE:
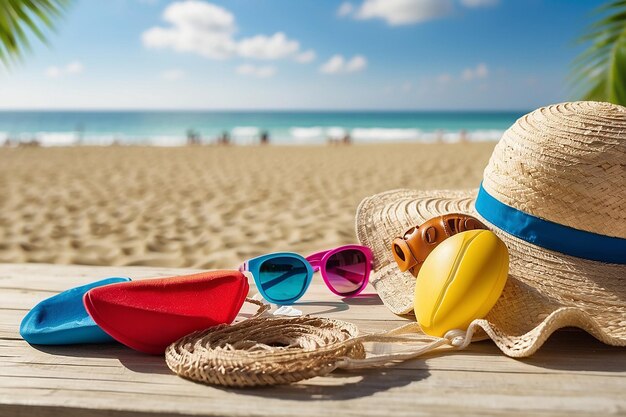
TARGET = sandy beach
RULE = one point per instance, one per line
(205, 207)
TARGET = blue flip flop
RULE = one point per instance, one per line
(63, 320)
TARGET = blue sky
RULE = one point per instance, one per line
(302, 54)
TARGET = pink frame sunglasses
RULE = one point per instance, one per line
(320, 262)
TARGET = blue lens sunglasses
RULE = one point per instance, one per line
(283, 277)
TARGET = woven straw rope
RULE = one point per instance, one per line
(272, 350)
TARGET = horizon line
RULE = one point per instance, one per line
(266, 110)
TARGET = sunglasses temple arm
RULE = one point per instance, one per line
(353, 277)
(315, 259)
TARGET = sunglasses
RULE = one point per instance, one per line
(283, 278)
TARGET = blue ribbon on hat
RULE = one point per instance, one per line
(550, 235)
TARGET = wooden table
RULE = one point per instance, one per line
(573, 374)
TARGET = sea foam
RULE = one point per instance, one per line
(248, 135)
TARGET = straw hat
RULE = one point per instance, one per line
(555, 192)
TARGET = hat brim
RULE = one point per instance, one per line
(546, 290)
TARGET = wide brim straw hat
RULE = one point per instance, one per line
(555, 192)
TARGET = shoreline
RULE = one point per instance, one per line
(23, 145)
(395, 136)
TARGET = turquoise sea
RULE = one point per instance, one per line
(170, 128)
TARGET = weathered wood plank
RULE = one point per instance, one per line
(573, 374)
(554, 358)
(373, 392)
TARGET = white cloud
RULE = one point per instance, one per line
(337, 64)
(200, 15)
(345, 9)
(480, 71)
(208, 30)
(404, 12)
(333, 65)
(306, 57)
(444, 78)
(73, 68)
(256, 71)
(357, 63)
(268, 47)
(173, 74)
(479, 3)
(196, 26)
(53, 72)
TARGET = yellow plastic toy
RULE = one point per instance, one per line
(460, 281)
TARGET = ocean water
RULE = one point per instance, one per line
(170, 128)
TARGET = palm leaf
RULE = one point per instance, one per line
(21, 18)
(599, 73)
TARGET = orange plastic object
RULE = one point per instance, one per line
(418, 242)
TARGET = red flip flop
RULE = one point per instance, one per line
(148, 315)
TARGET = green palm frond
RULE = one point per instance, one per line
(599, 73)
(19, 18)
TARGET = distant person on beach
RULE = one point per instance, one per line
(80, 133)
(265, 137)
(347, 139)
(193, 137)
(224, 139)
(33, 143)
(463, 135)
